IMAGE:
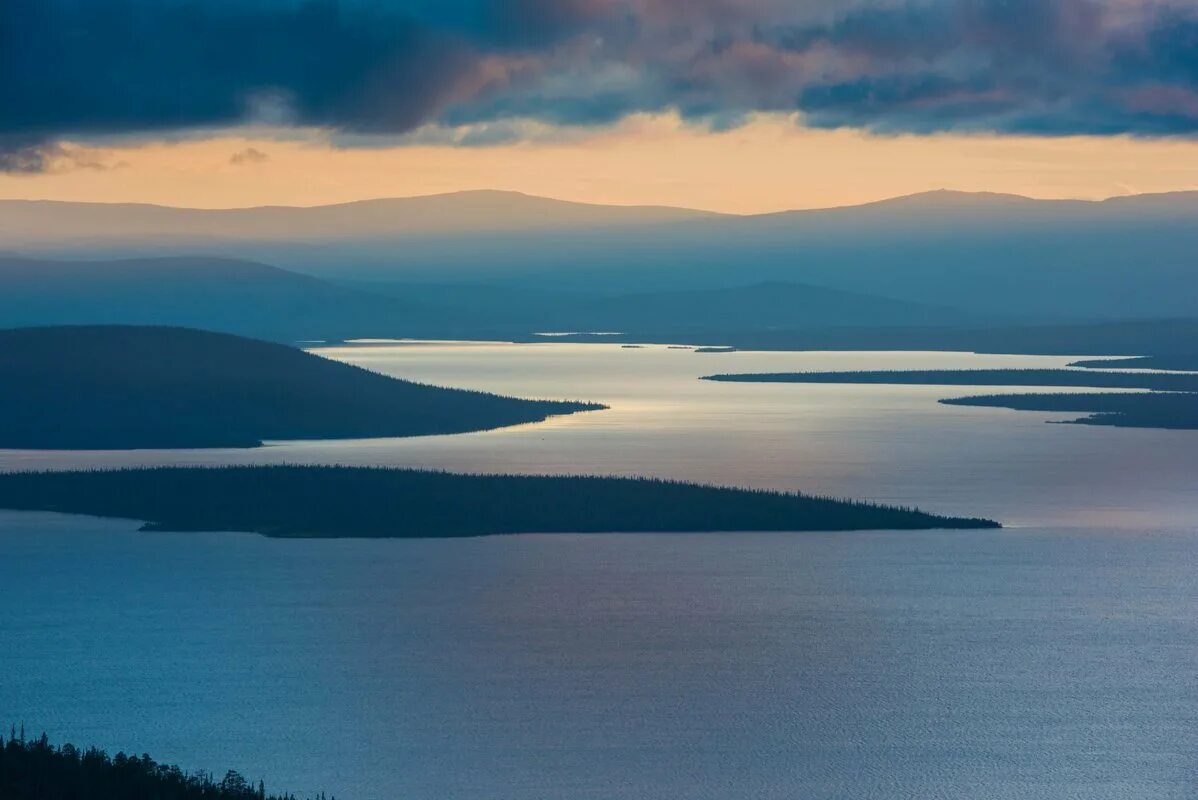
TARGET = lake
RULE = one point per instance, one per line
(1055, 659)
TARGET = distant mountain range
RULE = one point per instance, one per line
(252, 299)
(25, 222)
(1055, 261)
(992, 255)
(221, 294)
(763, 305)
(36, 221)
(249, 298)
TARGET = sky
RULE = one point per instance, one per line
(732, 105)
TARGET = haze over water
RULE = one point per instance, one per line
(1055, 659)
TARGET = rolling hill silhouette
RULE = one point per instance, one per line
(245, 297)
(118, 387)
(1054, 261)
(990, 254)
(769, 304)
(231, 295)
(489, 211)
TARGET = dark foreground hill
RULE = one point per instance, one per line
(37, 770)
(293, 501)
(116, 387)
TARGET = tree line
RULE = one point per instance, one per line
(380, 502)
(35, 769)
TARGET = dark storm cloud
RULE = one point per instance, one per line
(80, 68)
(1017, 66)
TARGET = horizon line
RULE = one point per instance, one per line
(647, 206)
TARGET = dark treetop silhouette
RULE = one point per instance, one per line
(116, 387)
(370, 502)
(37, 770)
(1173, 405)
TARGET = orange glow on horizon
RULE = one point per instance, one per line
(771, 164)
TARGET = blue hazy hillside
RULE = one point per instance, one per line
(28, 222)
(250, 298)
(766, 304)
(989, 255)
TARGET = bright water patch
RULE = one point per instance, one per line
(892, 444)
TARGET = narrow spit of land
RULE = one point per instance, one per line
(1177, 362)
(1171, 403)
(293, 501)
(114, 387)
(982, 377)
(1170, 410)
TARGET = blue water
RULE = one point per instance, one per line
(1056, 659)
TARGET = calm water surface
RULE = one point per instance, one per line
(1055, 659)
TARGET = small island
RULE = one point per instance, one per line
(366, 502)
(111, 387)
(1172, 403)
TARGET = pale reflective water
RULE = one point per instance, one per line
(1055, 659)
(888, 443)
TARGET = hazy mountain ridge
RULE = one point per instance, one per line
(248, 298)
(764, 304)
(239, 296)
(231, 295)
(495, 211)
(767, 304)
(996, 255)
(33, 221)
